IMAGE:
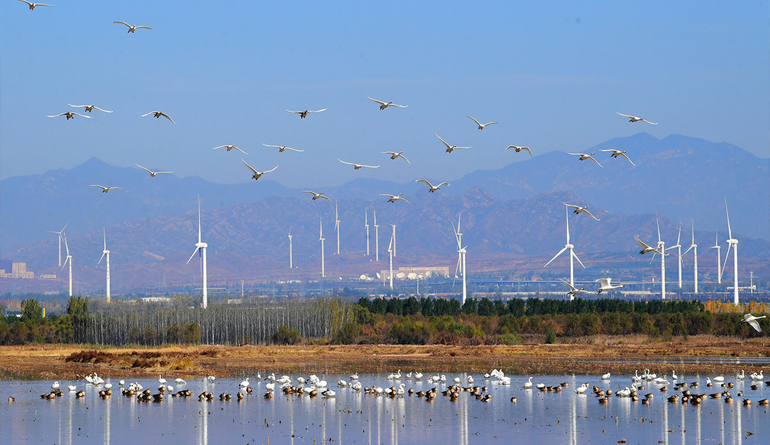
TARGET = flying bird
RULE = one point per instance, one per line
(606, 285)
(152, 173)
(34, 5)
(584, 156)
(433, 188)
(394, 155)
(358, 166)
(636, 119)
(616, 153)
(230, 147)
(752, 320)
(481, 126)
(106, 189)
(70, 115)
(303, 114)
(449, 148)
(257, 174)
(394, 198)
(317, 195)
(580, 209)
(384, 105)
(646, 248)
(158, 114)
(131, 28)
(282, 148)
(519, 148)
(572, 289)
(90, 108)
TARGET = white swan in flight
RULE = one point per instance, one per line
(606, 285)
(152, 173)
(35, 5)
(131, 28)
(449, 148)
(229, 148)
(70, 115)
(519, 148)
(616, 153)
(394, 198)
(432, 188)
(752, 320)
(106, 189)
(317, 195)
(646, 248)
(481, 126)
(580, 209)
(636, 119)
(303, 114)
(358, 166)
(394, 155)
(158, 114)
(90, 108)
(584, 156)
(257, 174)
(384, 105)
(572, 289)
(282, 148)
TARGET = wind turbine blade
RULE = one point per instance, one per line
(100, 259)
(658, 223)
(66, 246)
(678, 237)
(193, 254)
(578, 259)
(199, 220)
(65, 263)
(727, 255)
(555, 256)
(729, 231)
(566, 212)
(104, 231)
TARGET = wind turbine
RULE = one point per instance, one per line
(394, 239)
(321, 238)
(391, 250)
(68, 260)
(678, 246)
(201, 246)
(460, 258)
(291, 258)
(366, 225)
(376, 236)
(572, 257)
(661, 249)
(337, 226)
(694, 248)
(719, 258)
(61, 234)
(732, 243)
(106, 253)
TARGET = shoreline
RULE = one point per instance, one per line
(616, 354)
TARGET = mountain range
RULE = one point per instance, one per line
(510, 216)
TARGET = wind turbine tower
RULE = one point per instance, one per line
(376, 237)
(732, 243)
(694, 248)
(719, 258)
(394, 239)
(572, 256)
(390, 256)
(678, 246)
(106, 253)
(662, 250)
(321, 238)
(68, 260)
(366, 225)
(201, 246)
(291, 252)
(337, 226)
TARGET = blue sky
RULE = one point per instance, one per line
(552, 73)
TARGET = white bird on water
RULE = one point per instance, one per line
(519, 148)
(90, 108)
(580, 209)
(636, 119)
(616, 153)
(432, 188)
(158, 114)
(303, 114)
(152, 173)
(449, 148)
(282, 148)
(481, 126)
(131, 28)
(384, 105)
(752, 320)
(358, 166)
(107, 188)
(257, 174)
(584, 156)
(229, 148)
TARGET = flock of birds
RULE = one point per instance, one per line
(314, 386)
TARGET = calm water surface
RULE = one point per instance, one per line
(353, 418)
